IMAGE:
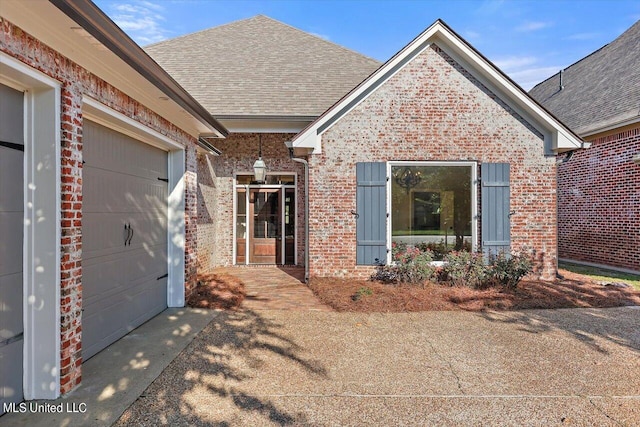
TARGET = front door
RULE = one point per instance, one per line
(264, 226)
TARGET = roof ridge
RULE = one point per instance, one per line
(202, 31)
(318, 37)
(284, 24)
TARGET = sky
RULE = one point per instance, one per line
(528, 40)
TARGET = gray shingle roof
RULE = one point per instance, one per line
(260, 66)
(600, 90)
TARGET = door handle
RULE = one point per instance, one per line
(131, 236)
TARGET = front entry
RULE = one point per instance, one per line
(265, 225)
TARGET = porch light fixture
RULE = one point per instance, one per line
(259, 167)
(636, 159)
(407, 178)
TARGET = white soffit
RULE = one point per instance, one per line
(47, 23)
(561, 138)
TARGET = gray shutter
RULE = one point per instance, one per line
(371, 218)
(496, 222)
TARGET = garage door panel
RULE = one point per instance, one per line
(114, 151)
(121, 266)
(10, 305)
(105, 234)
(139, 303)
(108, 191)
(11, 115)
(11, 248)
(11, 375)
(11, 179)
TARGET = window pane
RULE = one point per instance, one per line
(241, 218)
(431, 205)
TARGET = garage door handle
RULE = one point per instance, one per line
(129, 230)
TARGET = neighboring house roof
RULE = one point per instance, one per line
(80, 31)
(601, 91)
(557, 137)
(259, 67)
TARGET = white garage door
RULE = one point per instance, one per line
(11, 240)
(124, 235)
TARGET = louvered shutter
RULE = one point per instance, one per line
(496, 222)
(371, 207)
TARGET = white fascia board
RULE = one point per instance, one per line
(108, 117)
(310, 138)
(515, 97)
(476, 65)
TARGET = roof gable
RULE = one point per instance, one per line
(557, 136)
(599, 92)
(261, 67)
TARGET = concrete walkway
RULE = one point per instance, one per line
(540, 367)
(114, 378)
(275, 288)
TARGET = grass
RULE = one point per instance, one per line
(603, 275)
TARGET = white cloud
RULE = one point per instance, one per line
(514, 62)
(141, 20)
(582, 36)
(526, 70)
(530, 77)
(533, 26)
(472, 35)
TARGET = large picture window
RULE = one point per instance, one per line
(432, 203)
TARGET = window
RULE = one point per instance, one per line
(432, 203)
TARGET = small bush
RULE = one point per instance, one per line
(465, 269)
(410, 266)
(508, 270)
(363, 291)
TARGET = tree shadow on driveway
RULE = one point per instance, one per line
(593, 327)
(222, 377)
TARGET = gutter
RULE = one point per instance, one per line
(96, 23)
(289, 145)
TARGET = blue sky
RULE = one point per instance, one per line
(529, 40)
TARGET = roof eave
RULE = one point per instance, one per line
(96, 23)
(562, 138)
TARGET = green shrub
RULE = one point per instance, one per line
(363, 291)
(465, 269)
(508, 270)
(410, 266)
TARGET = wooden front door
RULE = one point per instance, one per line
(265, 242)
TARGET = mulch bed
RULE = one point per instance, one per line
(223, 291)
(572, 291)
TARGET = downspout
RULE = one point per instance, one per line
(306, 208)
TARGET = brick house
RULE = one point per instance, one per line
(430, 124)
(125, 196)
(599, 188)
(98, 149)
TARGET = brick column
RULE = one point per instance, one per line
(71, 244)
(191, 218)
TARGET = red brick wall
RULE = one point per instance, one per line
(76, 82)
(434, 110)
(599, 202)
(215, 221)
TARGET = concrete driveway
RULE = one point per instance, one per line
(542, 367)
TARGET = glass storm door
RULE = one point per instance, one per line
(265, 242)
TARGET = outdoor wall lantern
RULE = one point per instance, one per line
(636, 159)
(259, 167)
